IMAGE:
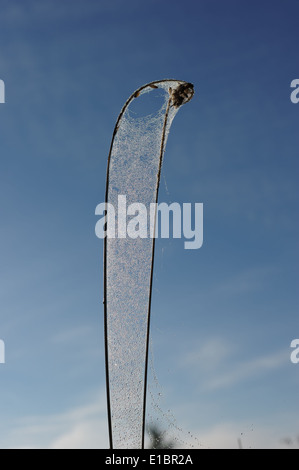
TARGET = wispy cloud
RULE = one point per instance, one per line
(82, 427)
(232, 435)
(247, 370)
(74, 334)
(248, 280)
(19, 13)
(85, 427)
(211, 354)
(219, 366)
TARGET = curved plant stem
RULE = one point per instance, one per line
(180, 94)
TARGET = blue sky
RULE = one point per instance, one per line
(223, 316)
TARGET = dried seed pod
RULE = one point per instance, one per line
(181, 94)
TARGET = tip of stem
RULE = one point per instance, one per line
(181, 94)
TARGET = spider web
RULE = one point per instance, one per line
(133, 171)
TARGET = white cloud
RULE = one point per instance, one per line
(249, 280)
(210, 355)
(248, 369)
(216, 363)
(20, 13)
(83, 427)
(84, 435)
(74, 334)
(237, 435)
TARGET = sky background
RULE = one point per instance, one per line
(223, 316)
